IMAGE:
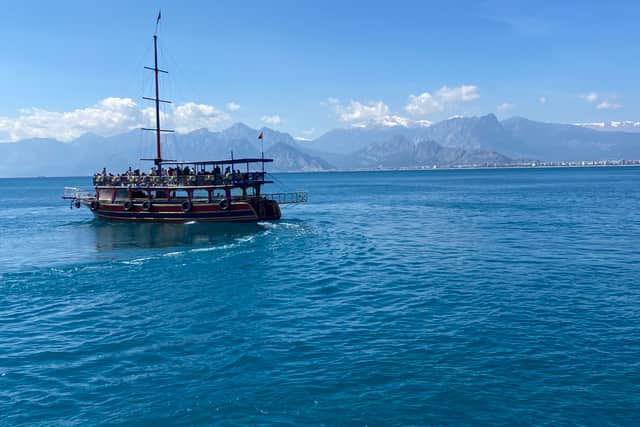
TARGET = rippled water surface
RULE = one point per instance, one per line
(391, 298)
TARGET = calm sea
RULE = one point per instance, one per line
(392, 298)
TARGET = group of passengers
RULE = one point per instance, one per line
(175, 176)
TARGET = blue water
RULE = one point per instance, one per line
(391, 298)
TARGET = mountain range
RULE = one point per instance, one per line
(457, 141)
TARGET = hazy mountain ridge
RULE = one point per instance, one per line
(401, 152)
(457, 141)
(550, 141)
(90, 153)
(515, 138)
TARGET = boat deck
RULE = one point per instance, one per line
(282, 198)
(182, 181)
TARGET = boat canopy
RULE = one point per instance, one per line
(215, 162)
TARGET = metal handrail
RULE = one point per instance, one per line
(75, 193)
(177, 180)
(288, 198)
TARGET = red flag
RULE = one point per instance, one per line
(260, 136)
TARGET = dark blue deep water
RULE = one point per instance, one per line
(392, 298)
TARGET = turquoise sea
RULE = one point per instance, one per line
(467, 297)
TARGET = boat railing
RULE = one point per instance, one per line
(287, 198)
(124, 180)
(75, 193)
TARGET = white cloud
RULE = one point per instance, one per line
(624, 123)
(424, 103)
(542, 100)
(443, 98)
(614, 125)
(590, 97)
(504, 107)
(423, 123)
(358, 111)
(457, 94)
(108, 117)
(602, 101)
(272, 120)
(592, 124)
(363, 114)
(393, 120)
(607, 105)
(232, 106)
(191, 116)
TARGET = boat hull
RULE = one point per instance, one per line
(172, 212)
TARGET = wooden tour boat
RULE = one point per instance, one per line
(180, 191)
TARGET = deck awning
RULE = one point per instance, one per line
(215, 162)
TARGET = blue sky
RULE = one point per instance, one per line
(308, 66)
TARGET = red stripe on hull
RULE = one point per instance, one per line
(209, 212)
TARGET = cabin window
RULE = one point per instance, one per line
(218, 194)
(137, 194)
(200, 194)
(104, 196)
(179, 194)
(159, 194)
(236, 192)
(122, 195)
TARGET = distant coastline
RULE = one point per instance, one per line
(518, 165)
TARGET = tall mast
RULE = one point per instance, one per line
(155, 70)
(158, 159)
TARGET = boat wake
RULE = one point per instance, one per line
(235, 243)
(280, 225)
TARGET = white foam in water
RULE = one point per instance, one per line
(173, 253)
(95, 267)
(214, 248)
(137, 261)
(245, 239)
(239, 241)
(290, 225)
(273, 226)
